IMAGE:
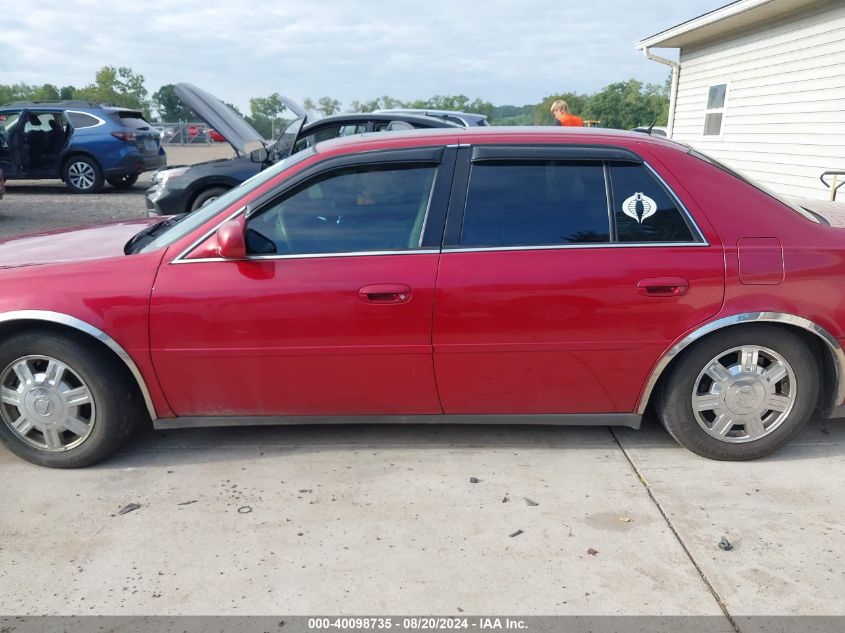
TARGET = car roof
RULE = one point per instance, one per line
(430, 112)
(490, 135)
(383, 117)
(76, 105)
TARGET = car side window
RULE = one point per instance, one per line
(535, 203)
(328, 133)
(644, 210)
(80, 120)
(355, 209)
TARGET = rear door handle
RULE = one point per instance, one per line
(385, 293)
(663, 287)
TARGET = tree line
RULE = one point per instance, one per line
(620, 105)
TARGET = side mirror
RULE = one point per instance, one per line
(230, 240)
(260, 155)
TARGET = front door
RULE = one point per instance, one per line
(10, 143)
(563, 283)
(331, 312)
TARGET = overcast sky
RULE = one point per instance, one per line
(505, 51)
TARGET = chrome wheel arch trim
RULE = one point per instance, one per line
(750, 317)
(82, 326)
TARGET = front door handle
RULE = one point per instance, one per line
(663, 287)
(385, 293)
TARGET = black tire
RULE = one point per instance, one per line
(114, 398)
(206, 195)
(82, 175)
(673, 402)
(123, 182)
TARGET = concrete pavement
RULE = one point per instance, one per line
(385, 520)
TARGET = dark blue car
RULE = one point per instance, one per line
(80, 142)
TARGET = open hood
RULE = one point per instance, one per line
(224, 119)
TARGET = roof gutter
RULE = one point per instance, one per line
(673, 92)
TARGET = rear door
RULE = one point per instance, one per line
(565, 273)
(331, 312)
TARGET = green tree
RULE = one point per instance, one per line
(47, 92)
(170, 107)
(265, 115)
(511, 115)
(117, 86)
(628, 104)
(310, 106)
(328, 106)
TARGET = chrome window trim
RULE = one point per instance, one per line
(87, 127)
(750, 317)
(252, 258)
(82, 326)
(555, 247)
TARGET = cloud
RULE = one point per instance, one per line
(502, 51)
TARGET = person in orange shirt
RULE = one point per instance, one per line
(562, 115)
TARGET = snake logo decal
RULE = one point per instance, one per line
(639, 207)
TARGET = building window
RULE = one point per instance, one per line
(714, 115)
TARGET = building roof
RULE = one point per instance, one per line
(731, 17)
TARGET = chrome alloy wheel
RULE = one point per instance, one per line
(81, 175)
(744, 394)
(46, 403)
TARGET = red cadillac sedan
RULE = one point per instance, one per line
(539, 276)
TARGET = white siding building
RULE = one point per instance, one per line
(761, 87)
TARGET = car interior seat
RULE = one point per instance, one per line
(36, 141)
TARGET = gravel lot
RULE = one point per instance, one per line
(31, 206)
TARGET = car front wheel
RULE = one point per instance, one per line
(207, 196)
(740, 394)
(83, 175)
(63, 403)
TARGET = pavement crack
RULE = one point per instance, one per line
(678, 538)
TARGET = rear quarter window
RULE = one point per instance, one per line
(80, 120)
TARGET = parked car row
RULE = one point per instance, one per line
(86, 144)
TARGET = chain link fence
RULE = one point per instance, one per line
(187, 133)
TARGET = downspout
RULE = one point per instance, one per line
(673, 91)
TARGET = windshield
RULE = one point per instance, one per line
(813, 217)
(195, 219)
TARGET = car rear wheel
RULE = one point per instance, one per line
(740, 394)
(63, 404)
(123, 182)
(83, 175)
(207, 196)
